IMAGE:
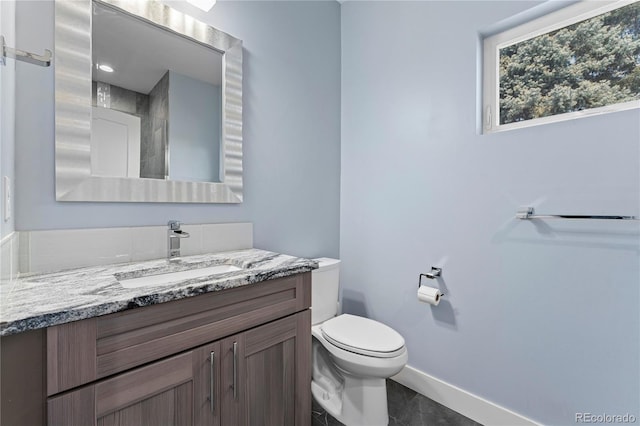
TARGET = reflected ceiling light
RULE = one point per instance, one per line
(105, 68)
(205, 5)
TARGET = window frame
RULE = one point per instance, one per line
(553, 21)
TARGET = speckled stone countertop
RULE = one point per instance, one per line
(43, 300)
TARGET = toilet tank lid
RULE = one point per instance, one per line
(326, 263)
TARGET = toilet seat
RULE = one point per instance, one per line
(363, 336)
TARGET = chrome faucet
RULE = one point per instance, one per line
(174, 234)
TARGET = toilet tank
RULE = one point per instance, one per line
(325, 284)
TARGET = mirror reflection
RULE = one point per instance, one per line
(156, 102)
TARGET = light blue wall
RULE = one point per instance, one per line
(539, 317)
(291, 130)
(194, 129)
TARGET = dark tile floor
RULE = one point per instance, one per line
(406, 408)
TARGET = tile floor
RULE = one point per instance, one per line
(406, 408)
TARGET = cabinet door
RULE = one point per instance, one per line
(161, 393)
(176, 391)
(272, 374)
(231, 378)
(206, 383)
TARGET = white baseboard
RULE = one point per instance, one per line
(465, 403)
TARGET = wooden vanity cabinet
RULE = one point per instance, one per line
(259, 374)
(252, 378)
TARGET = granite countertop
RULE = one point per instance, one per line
(43, 300)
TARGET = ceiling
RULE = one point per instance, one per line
(141, 53)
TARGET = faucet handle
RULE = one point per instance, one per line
(174, 225)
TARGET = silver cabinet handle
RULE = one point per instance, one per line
(212, 357)
(235, 370)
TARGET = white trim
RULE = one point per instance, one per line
(9, 249)
(465, 403)
(7, 238)
(553, 21)
(564, 17)
(567, 116)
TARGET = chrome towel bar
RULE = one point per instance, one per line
(528, 213)
(32, 58)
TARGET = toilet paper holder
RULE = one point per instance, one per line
(432, 275)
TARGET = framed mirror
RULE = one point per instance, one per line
(148, 105)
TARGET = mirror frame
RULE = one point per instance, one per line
(73, 67)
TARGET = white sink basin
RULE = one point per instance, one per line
(173, 277)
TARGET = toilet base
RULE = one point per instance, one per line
(353, 400)
(357, 402)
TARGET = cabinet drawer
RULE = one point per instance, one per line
(118, 342)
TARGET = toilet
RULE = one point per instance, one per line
(352, 356)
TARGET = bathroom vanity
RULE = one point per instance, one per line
(227, 349)
(149, 342)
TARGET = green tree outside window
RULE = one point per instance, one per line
(589, 64)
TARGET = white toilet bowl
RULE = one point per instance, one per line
(352, 358)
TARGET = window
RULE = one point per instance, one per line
(581, 60)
